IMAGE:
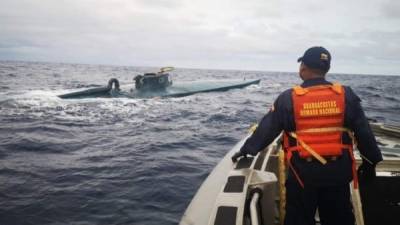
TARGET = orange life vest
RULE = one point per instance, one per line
(319, 118)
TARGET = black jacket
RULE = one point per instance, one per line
(282, 119)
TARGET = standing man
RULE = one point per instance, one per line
(319, 120)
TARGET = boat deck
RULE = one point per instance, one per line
(225, 197)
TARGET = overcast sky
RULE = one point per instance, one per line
(363, 36)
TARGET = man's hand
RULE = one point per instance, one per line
(237, 155)
(366, 172)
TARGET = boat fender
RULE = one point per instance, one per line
(115, 82)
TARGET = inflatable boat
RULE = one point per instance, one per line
(252, 191)
(150, 85)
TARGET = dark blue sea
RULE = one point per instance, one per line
(111, 161)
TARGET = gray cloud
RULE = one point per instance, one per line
(391, 9)
(254, 35)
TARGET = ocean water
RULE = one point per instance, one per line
(129, 161)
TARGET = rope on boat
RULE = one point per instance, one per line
(282, 188)
(253, 128)
(357, 205)
(166, 69)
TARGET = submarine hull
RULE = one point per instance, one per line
(179, 89)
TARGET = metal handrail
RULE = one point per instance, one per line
(253, 209)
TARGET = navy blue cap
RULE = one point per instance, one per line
(316, 58)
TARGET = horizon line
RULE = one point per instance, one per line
(193, 68)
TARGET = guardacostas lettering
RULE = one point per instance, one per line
(320, 108)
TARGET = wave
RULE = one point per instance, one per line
(94, 161)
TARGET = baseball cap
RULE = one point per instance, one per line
(317, 58)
